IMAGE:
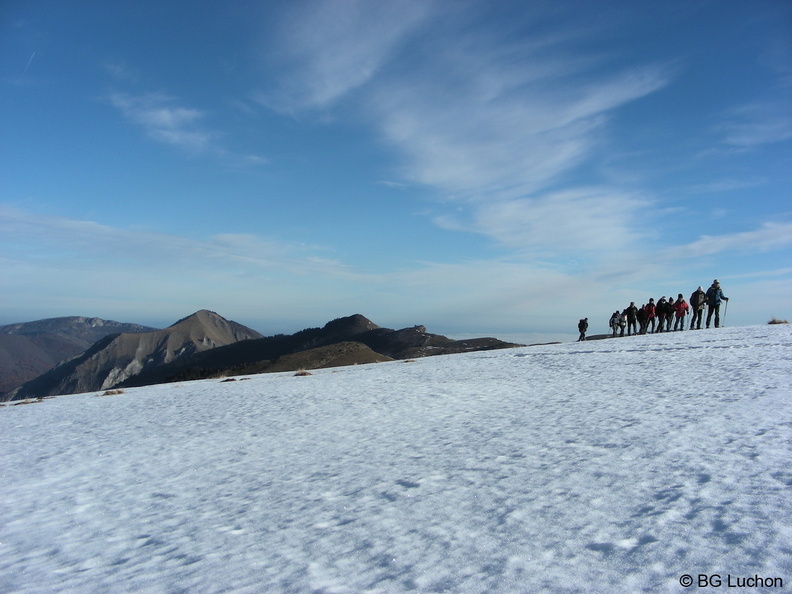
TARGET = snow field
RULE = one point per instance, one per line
(614, 465)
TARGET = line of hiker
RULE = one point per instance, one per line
(659, 317)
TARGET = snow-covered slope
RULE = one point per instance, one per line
(609, 466)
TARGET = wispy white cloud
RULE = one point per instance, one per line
(478, 143)
(728, 184)
(757, 124)
(769, 237)
(58, 239)
(333, 47)
(164, 121)
(581, 221)
(121, 72)
(496, 150)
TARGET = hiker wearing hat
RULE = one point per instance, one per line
(632, 318)
(714, 298)
(670, 309)
(650, 310)
(680, 310)
(642, 320)
(661, 311)
(698, 301)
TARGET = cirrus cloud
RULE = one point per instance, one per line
(164, 121)
(489, 124)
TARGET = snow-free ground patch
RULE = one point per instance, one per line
(610, 466)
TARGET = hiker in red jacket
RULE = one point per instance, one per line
(680, 309)
(649, 308)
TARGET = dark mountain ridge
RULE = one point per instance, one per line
(267, 354)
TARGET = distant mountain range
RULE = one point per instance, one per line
(313, 348)
(207, 345)
(29, 349)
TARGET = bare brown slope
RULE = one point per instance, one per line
(120, 357)
(340, 354)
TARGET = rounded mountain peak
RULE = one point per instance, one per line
(354, 324)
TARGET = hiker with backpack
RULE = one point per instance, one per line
(680, 310)
(698, 301)
(661, 312)
(582, 327)
(613, 323)
(632, 318)
(641, 317)
(670, 309)
(714, 298)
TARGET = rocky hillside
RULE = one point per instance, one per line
(29, 349)
(118, 357)
(289, 352)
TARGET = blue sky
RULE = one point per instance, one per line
(478, 167)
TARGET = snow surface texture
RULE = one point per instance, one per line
(606, 466)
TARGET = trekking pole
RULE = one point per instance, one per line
(725, 309)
